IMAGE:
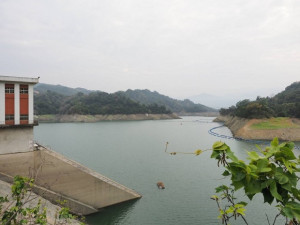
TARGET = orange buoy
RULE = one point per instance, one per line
(160, 185)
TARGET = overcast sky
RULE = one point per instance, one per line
(179, 48)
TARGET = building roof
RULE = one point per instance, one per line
(19, 79)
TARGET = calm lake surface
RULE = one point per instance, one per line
(132, 153)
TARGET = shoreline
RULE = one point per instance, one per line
(244, 128)
(51, 118)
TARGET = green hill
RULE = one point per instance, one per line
(148, 97)
(63, 90)
(58, 99)
(284, 104)
(50, 102)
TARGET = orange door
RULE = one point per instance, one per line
(24, 104)
(9, 104)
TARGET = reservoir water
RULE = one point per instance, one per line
(132, 153)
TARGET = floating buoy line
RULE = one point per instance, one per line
(212, 132)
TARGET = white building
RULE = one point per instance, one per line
(16, 114)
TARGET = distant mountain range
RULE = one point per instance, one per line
(63, 90)
(179, 106)
(58, 99)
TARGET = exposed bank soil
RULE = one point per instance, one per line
(97, 118)
(241, 128)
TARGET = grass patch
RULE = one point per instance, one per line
(47, 117)
(275, 123)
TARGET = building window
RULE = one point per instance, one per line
(23, 89)
(9, 117)
(23, 117)
(9, 88)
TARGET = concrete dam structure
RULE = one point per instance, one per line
(58, 178)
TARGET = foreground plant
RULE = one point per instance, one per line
(16, 211)
(273, 173)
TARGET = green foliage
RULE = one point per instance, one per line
(59, 89)
(147, 97)
(16, 210)
(273, 173)
(64, 214)
(284, 104)
(92, 104)
(57, 99)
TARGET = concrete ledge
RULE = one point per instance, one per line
(77, 207)
(57, 177)
(36, 123)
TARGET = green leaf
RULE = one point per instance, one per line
(275, 142)
(230, 210)
(288, 165)
(231, 155)
(237, 185)
(238, 175)
(281, 177)
(288, 154)
(249, 169)
(243, 203)
(285, 153)
(292, 210)
(273, 190)
(263, 165)
(214, 197)
(292, 178)
(253, 156)
(253, 187)
(215, 154)
(287, 186)
(218, 144)
(268, 197)
(221, 188)
(287, 211)
(226, 173)
(238, 206)
(296, 193)
(241, 211)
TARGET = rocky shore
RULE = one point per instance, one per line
(246, 129)
(97, 118)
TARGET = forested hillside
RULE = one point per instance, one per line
(58, 99)
(147, 97)
(284, 104)
(50, 102)
(63, 90)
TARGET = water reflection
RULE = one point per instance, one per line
(112, 214)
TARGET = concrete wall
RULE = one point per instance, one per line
(2, 103)
(60, 178)
(17, 104)
(18, 139)
(31, 104)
